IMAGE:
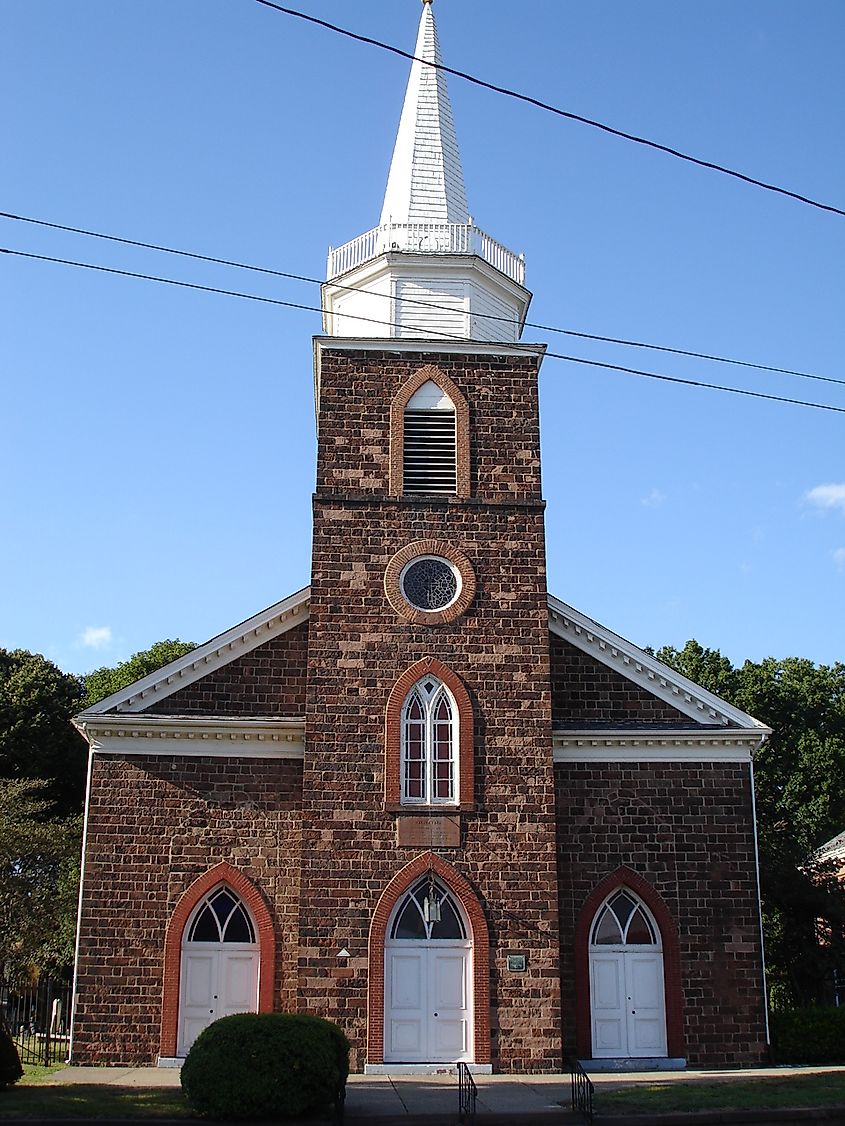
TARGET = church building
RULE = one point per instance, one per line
(421, 796)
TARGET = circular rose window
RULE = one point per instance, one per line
(429, 582)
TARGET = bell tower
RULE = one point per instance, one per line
(428, 781)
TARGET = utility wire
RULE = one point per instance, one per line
(554, 109)
(424, 304)
(445, 336)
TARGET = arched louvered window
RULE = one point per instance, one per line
(429, 442)
(221, 917)
(429, 745)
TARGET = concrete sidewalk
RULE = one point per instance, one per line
(517, 1099)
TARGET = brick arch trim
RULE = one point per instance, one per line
(428, 666)
(464, 893)
(628, 878)
(397, 427)
(265, 933)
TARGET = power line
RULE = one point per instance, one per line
(425, 304)
(445, 336)
(554, 109)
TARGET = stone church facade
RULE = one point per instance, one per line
(421, 797)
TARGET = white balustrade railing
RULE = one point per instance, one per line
(425, 238)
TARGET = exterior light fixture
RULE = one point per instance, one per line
(431, 903)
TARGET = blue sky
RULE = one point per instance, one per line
(157, 445)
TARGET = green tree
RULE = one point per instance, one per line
(800, 789)
(37, 701)
(39, 878)
(104, 681)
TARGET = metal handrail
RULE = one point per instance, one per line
(581, 1090)
(467, 1094)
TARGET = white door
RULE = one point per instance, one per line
(219, 970)
(628, 1011)
(428, 980)
(627, 1005)
(427, 1006)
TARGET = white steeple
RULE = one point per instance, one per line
(426, 271)
(426, 181)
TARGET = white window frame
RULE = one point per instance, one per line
(429, 702)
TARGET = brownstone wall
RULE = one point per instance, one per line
(687, 829)
(587, 693)
(155, 824)
(359, 646)
(356, 391)
(269, 680)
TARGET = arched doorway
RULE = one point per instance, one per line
(628, 1010)
(219, 964)
(428, 979)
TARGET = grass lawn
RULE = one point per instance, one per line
(824, 1089)
(34, 1097)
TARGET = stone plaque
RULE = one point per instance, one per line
(431, 832)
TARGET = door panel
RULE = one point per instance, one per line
(646, 1019)
(239, 981)
(449, 1032)
(406, 1023)
(199, 1003)
(608, 1003)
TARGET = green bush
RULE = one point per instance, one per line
(808, 1036)
(265, 1065)
(10, 1061)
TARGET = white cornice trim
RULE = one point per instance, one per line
(655, 746)
(425, 345)
(195, 736)
(646, 671)
(221, 650)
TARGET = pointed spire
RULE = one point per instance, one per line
(426, 181)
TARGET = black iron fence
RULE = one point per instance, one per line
(582, 1091)
(38, 1017)
(467, 1094)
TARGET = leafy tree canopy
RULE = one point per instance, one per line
(37, 701)
(39, 878)
(103, 682)
(800, 788)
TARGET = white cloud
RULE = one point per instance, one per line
(653, 500)
(95, 637)
(839, 558)
(827, 496)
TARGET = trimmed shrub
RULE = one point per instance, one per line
(10, 1061)
(808, 1035)
(265, 1065)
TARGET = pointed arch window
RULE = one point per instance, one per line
(428, 914)
(430, 442)
(429, 745)
(221, 917)
(623, 921)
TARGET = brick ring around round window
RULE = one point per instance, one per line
(430, 582)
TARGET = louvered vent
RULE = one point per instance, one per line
(430, 452)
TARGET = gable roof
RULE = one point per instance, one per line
(221, 650)
(703, 707)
